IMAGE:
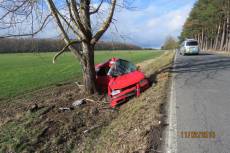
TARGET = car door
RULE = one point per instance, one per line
(102, 79)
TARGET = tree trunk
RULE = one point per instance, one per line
(223, 38)
(228, 27)
(228, 44)
(202, 39)
(228, 32)
(217, 38)
(211, 44)
(88, 68)
(198, 38)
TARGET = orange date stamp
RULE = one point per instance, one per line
(197, 134)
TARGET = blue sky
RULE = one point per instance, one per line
(147, 25)
(151, 22)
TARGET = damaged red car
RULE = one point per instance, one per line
(120, 79)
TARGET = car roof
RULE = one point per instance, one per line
(108, 61)
(187, 40)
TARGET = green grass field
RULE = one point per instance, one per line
(20, 73)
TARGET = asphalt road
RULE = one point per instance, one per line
(200, 103)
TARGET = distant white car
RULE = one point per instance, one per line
(189, 46)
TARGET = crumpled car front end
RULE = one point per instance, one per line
(120, 91)
(123, 80)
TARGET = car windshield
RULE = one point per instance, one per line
(192, 43)
(121, 67)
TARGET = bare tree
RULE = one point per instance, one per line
(73, 19)
(170, 43)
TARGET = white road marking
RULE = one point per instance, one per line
(172, 131)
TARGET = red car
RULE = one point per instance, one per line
(121, 79)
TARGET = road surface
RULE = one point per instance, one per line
(200, 102)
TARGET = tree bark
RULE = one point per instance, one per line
(88, 68)
(228, 44)
(223, 38)
(211, 44)
(228, 30)
(217, 38)
(202, 39)
(198, 38)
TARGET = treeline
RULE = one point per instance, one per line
(28, 45)
(209, 23)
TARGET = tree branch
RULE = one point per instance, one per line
(97, 9)
(64, 48)
(72, 17)
(69, 24)
(29, 34)
(66, 37)
(105, 25)
(73, 7)
(13, 10)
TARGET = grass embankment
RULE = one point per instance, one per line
(20, 73)
(137, 128)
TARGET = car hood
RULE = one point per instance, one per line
(126, 80)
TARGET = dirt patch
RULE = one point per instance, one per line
(37, 122)
(46, 121)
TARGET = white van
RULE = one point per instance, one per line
(189, 46)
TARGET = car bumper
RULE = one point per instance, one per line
(196, 51)
(126, 93)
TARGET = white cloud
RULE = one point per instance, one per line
(151, 26)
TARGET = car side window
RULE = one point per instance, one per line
(102, 71)
(126, 67)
